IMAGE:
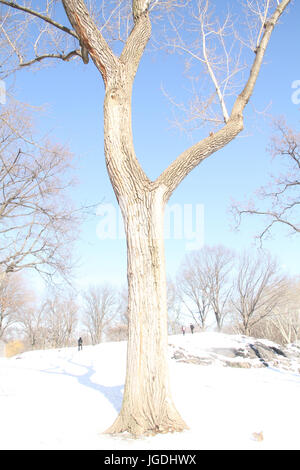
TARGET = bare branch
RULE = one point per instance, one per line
(190, 158)
(245, 95)
(280, 200)
(90, 37)
(64, 57)
(49, 20)
(139, 8)
(136, 43)
(204, 34)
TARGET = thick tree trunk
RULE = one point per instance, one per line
(147, 403)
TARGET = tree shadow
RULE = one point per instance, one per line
(112, 393)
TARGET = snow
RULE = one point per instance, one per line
(66, 399)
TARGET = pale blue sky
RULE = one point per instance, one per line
(74, 95)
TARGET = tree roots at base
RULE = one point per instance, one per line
(139, 427)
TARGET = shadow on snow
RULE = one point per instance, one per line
(112, 393)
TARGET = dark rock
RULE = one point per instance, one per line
(228, 352)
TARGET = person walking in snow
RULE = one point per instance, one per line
(183, 330)
(80, 344)
(192, 328)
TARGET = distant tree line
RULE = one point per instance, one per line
(215, 289)
(96, 313)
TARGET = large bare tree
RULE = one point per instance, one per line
(147, 405)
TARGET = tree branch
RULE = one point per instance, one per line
(210, 69)
(41, 16)
(136, 43)
(245, 95)
(190, 158)
(139, 8)
(91, 38)
(64, 57)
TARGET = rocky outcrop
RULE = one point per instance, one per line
(246, 353)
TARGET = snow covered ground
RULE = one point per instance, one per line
(65, 399)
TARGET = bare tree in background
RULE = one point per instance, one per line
(175, 319)
(147, 405)
(219, 265)
(100, 308)
(259, 290)
(60, 319)
(280, 200)
(14, 297)
(32, 326)
(118, 330)
(205, 283)
(50, 322)
(194, 287)
(37, 221)
(286, 318)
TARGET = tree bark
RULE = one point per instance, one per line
(147, 404)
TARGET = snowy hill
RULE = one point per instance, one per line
(234, 392)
